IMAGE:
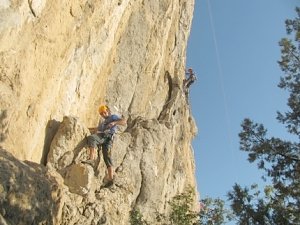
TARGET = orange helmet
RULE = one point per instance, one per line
(102, 108)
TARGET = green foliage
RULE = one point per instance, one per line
(280, 159)
(251, 206)
(181, 209)
(213, 212)
(136, 218)
(181, 212)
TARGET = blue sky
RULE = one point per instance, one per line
(233, 48)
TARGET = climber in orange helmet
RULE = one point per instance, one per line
(103, 138)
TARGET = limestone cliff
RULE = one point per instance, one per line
(58, 61)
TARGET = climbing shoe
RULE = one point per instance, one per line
(108, 184)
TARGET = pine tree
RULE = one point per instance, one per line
(280, 159)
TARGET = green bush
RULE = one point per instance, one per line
(181, 212)
(136, 218)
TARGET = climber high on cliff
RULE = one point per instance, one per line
(191, 78)
(102, 137)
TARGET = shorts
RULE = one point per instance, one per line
(102, 141)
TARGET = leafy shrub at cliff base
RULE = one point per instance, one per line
(182, 211)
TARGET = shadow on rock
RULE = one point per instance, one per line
(26, 192)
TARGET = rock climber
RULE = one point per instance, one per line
(187, 82)
(102, 137)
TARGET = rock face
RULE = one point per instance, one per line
(28, 193)
(58, 61)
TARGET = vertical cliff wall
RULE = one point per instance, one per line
(60, 59)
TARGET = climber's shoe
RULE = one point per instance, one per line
(108, 184)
